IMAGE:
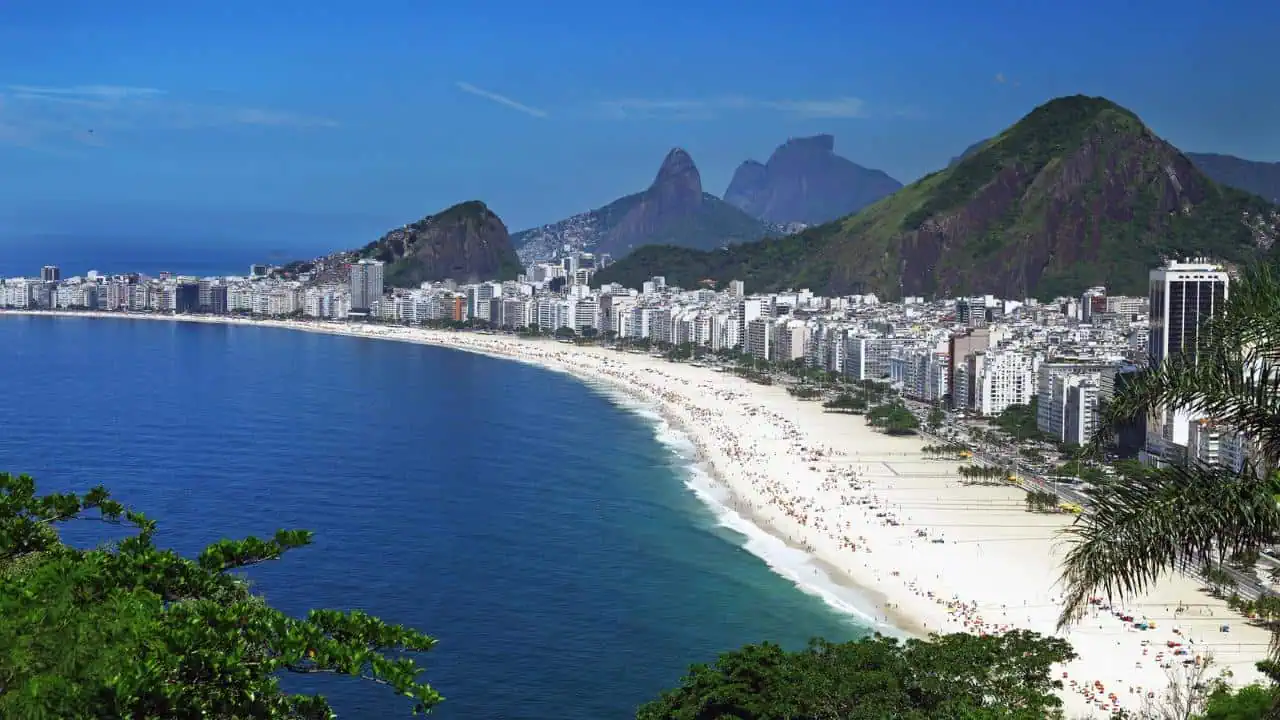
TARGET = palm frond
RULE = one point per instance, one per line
(1139, 529)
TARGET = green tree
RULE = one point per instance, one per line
(900, 421)
(1019, 421)
(936, 418)
(894, 418)
(1190, 515)
(844, 402)
(946, 677)
(1247, 703)
(137, 631)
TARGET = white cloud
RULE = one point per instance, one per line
(706, 108)
(501, 100)
(91, 92)
(33, 115)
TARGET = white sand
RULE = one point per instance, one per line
(790, 468)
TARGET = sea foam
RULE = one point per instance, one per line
(793, 564)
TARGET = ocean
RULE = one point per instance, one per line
(558, 540)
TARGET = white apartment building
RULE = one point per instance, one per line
(724, 331)
(1005, 377)
(749, 309)
(867, 358)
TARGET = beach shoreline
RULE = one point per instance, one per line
(925, 552)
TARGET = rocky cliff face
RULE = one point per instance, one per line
(673, 210)
(466, 242)
(804, 181)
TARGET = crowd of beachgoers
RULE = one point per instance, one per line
(921, 549)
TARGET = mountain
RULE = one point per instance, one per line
(1259, 178)
(1077, 193)
(804, 181)
(465, 242)
(673, 210)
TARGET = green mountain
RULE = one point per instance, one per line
(1077, 193)
(466, 242)
(1259, 178)
(673, 210)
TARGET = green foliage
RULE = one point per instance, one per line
(139, 631)
(938, 452)
(845, 402)
(1250, 702)
(894, 418)
(982, 475)
(1042, 502)
(805, 392)
(1019, 421)
(765, 265)
(947, 677)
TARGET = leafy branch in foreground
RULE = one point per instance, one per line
(139, 631)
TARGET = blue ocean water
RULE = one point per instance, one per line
(548, 537)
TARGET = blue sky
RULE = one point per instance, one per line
(335, 119)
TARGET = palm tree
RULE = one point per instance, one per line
(1192, 515)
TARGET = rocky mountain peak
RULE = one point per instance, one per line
(816, 145)
(678, 168)
(805, 182)
(678, 186)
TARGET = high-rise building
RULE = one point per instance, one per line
(366, 284)
(1183, 297)
(50, 273)
(186, 297)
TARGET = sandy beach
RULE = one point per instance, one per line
(927, 553)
